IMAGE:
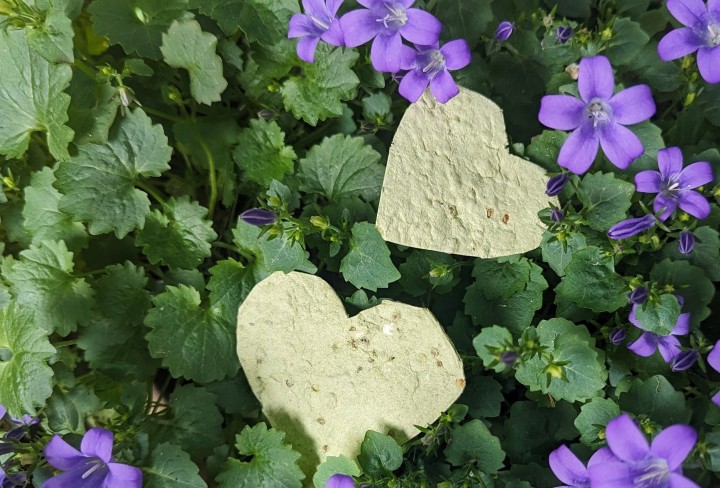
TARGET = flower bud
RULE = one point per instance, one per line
(504, 31)
(555, 370)
(573, 71)
(630, 227)
(556, 184)
(258, 216)
(557, 215)
(508, 358)
(686, 243)
(638, 296)
(617, 335)
(564, 33)
(684, 360)
(319, 221)
(266, 114)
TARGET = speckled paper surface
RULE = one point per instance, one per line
(325, 379)
(452, 186)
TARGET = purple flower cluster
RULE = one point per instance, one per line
(629, 461)
(386, 23)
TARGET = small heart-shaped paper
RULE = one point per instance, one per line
(325, 378)
(452, 186)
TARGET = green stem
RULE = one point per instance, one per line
(85, 68)
(150, 191)
(163, 115)
(213, 180)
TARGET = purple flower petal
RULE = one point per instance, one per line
(359, 26)
(713, 358)
(340, 481)
(679, 481)
(567, 467)
(716, 399)
(633, 105)
(334, 35)
(601, 455)
(696, 174)
(596, 78)
(422, 27)
(371, 3)
(708, 60)
(695, 204)
(670, 160)
(385, 52)
(78, 477)
(682, 326)
(333, 6)
(302, 25)
(620, 145)
(647, 182)
(123, 476)
(443, 87)
(625, 439)
(457, 54)
(631, 227)
(645, 345)
(561, 112)
(688, 12)
(62, 455)
(674, 444)
(408, 58)
(613, 474)
(3, 411)
(314, 7)
(413, 85)
(678, 43)
(98, 443)
(713, 7)
(664, 202)
(306, 48)
(669, 347)
(579, 150)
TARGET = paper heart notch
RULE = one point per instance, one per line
(325, 378)
(452, 186)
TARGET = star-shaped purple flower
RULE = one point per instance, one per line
(701, 33)
(713, 359)
(92, 466)
(650, 342)
(388, 21)
(570, 470)
(319, 22)
(430, 65)
(599, 118)
(674, 184)
(637, 464)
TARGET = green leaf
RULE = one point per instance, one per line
(503, 277)
(262, 21)
(483, 396)
(342, 167)
(98, 183)
(171, 467)
(326, 83)
(688, 281)
(659, 316)
(465, 19)
(25, 110)
(192, 342)
(42, 280)
(272, 463)
(230, 283)
(179, 237)
(590, 282)
(197, 422)
(25, 377)
(655, 398)
(186, 46)
(137, 25)
(43, 219)
(532, 431)
(53, 39)
(68, 411)
(705, 255)
(593, 418)
(379, 454)
(606, 199)
(492, 337)
(416, 274)
(368, 264)
(93, 109)
(473, 443)
(262, 154)
(545, 148)
(334, 465)
(627, 41)
(558, 254)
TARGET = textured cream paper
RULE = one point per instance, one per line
(452, 186)
(325, 379)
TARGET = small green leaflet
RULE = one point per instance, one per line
(606, 199)
(272, 463)
(230, 283)
(473, 443)
(656, 399)
(379, 454)
(334, 465)
(368, 264)
(341, 167)
(25, 377)
(42, 280)
(593, 418)
(186, 46)
(42, 108)
(53, 39)
(317, 95)
(197, 420)
(590, 281)
(98, 184)
(658, 316)
(262, 154)
(67, 409)
(171, 467)
(192, 342)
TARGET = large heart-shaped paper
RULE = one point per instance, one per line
(325, 378)
(452, 186)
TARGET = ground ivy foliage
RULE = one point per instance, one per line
(137, 138)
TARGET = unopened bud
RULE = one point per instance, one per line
(686, 243)
(639, 295)
(319, 221)
(258, 216)
(617, 335)
(684, 360)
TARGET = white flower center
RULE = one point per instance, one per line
(599, 112)
(323, 24)
(713, 34)
(435, 62)
(656, 474)
(95, 465)
(396, 16)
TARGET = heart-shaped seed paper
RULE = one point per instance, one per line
(452, 186)
(325, 378)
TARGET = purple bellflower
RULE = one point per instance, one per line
(90, 467)
(599, 118)
(570, 470)
(258, 216)
(701, 33)
(319, 22)
(340, 481)
(430, 65)
(713, 359)
(674, 185)
(649, 342)
(686, 243)
(636, 464)
(504, 31)
(684, 360)
(630, 227)
(388, 21)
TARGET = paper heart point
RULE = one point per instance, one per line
(452, 186)
(325, 378)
